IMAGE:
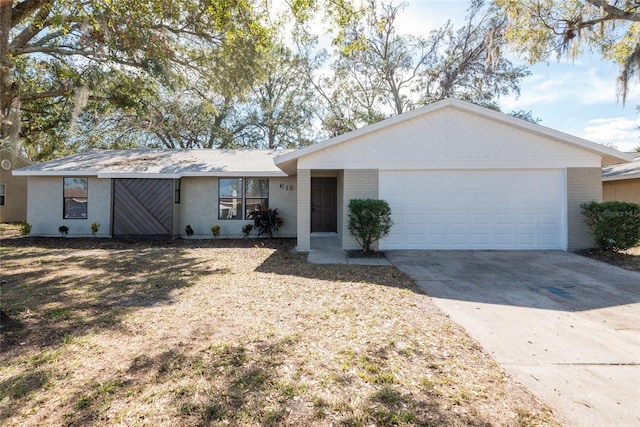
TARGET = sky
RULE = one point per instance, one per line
(578, 98)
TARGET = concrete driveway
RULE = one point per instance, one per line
(565, 326)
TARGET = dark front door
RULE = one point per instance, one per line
(142, 207)
(324, 209)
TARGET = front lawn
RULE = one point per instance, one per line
(241, 333)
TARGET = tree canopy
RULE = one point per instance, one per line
(57, 56)
(379, 71)
(227, 73)
(540, 28)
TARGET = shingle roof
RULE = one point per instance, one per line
(160, 164)
(622, 171)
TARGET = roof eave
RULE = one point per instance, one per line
(266, 174)
(150, 175)
(620, 177)
(21, 172)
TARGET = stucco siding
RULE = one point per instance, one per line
(340, 207)
(303, 183)
(357, 184)
(627, 190)
(45, 200)
(15, 187)
(583, 186)
(199, 208)
(283, 195)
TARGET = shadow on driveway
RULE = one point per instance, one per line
(548, 280)
(565, 326)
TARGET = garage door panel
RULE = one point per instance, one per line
(415, 219)
(494, 209)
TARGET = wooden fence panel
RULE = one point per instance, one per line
(142, 207)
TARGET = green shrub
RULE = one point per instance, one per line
(63, 230)
(247, 229)
(25, 228)
(369, 221)
(94, 229)
(215, 230)
(266, 221)
(188, 230)
(614, 225)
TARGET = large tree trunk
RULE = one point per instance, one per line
(7, 91)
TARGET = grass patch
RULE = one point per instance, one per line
(235, 333)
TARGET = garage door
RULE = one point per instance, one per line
(489, 209)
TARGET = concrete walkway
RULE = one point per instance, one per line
(565, 326)
(325, 249)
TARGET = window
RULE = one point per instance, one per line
(3, 194)
(256, 193)
(238, 197)
(75, 198)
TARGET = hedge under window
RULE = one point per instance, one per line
(238, 197)
(76, 191)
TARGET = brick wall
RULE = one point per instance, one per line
(303, 190)
(357, 184)
(583, 185)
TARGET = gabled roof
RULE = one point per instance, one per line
(146, 163)
(288, 162)
(622, 171)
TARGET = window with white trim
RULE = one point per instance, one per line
(238, 197)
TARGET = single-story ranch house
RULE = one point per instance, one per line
(622, 182)
(456, 175)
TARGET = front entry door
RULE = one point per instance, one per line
(324, 209)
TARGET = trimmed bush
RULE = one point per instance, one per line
(369, 221)
(215, 230)
(63, 230)
(614, 225)
(188, 230)
(25, 228)
(266, 221)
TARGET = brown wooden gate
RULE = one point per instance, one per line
(142, 208)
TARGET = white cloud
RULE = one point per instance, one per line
(622, 132)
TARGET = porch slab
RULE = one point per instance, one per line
(325, 249)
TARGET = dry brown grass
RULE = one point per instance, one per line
(629, 259)
(240, 333)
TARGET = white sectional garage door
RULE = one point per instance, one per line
(479, 209)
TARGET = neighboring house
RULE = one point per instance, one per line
(13, 189)
(622, 182)
(457, 176)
